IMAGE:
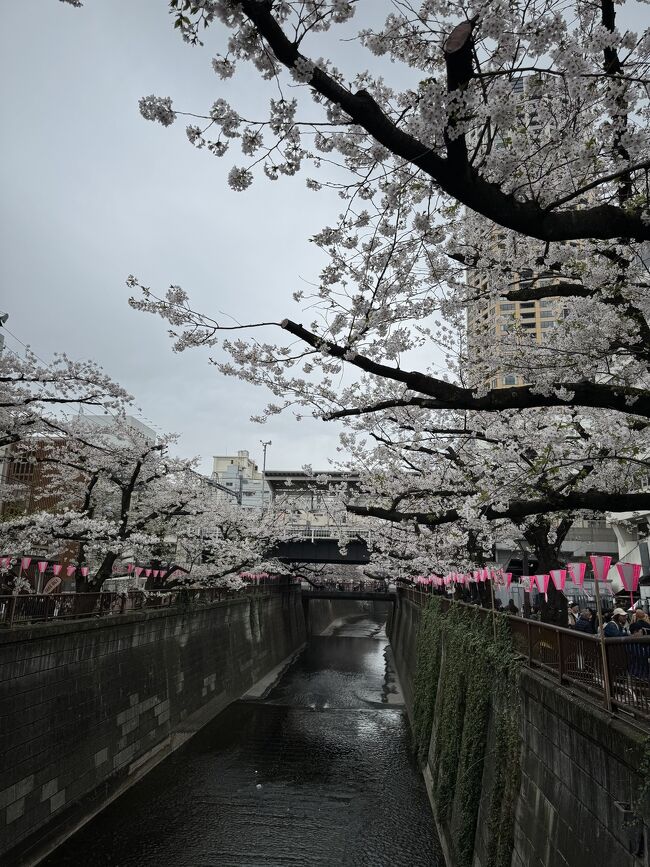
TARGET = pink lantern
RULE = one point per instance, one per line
(24, 562)
(138, 571)
(84, 571)
(156, 573)
(559, 578)
(630, 574)
(147, 572)
(42, 566)
(129, 568)
(507, 578)
(600, 565)
(70, 570)
(6, 562)
(542, 583)
(56, 568)
(532, 583)
(577, 572)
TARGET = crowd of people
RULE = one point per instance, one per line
(617, 623)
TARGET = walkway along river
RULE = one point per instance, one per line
(316, 771)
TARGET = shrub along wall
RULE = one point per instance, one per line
(466, 730)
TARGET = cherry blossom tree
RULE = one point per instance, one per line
(494, 151)
(121, 496)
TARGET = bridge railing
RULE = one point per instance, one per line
(43, 608)
(346, 587)
(614, 672)
(314, 534)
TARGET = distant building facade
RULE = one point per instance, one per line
(240, 474)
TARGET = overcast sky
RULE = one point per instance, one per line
(92, 193)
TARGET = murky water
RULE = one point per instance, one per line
(316, 772)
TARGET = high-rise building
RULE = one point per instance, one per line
(493, 321)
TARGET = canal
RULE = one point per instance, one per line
(314, 771)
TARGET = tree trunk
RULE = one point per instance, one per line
(105, 570)
(553, 606)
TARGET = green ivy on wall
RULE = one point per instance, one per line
(466, 714)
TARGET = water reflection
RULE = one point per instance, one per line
(317, 772)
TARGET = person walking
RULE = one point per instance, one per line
(617, 626)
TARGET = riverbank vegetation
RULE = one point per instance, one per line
(466, 728)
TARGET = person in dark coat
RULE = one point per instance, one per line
(617, 626)
(585, 622)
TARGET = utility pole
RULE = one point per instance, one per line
(265, 445)
(3, 319)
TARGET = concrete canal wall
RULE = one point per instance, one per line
(87, 707)
(577, 767)
(321, 614)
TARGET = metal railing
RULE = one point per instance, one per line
(314, 534)
(615, 672)
(41, 608)
(346, 587)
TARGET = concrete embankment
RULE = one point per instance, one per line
(322, 616)
(566, 787)
(88, 707)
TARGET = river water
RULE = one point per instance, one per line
(316, 771)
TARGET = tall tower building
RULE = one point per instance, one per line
(492, 321)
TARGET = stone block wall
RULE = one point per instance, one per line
(87, 706)
(578, 766)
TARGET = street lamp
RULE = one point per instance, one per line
(265, 445)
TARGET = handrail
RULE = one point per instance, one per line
(574, 658)
(28, 608)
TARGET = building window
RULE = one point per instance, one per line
(547, 302)
(546, 314)
(546, 324)
(508, 306)
(526, 315)
(510, 379)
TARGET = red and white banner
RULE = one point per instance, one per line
(577, 572)
(56, 568)
(42, 566)
(559, 578)
(630, 574)
(600, 565)
(24, 562)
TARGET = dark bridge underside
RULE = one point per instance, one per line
(321, 551)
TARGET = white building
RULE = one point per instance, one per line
(240, 474)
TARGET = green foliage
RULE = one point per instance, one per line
(466, 712)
